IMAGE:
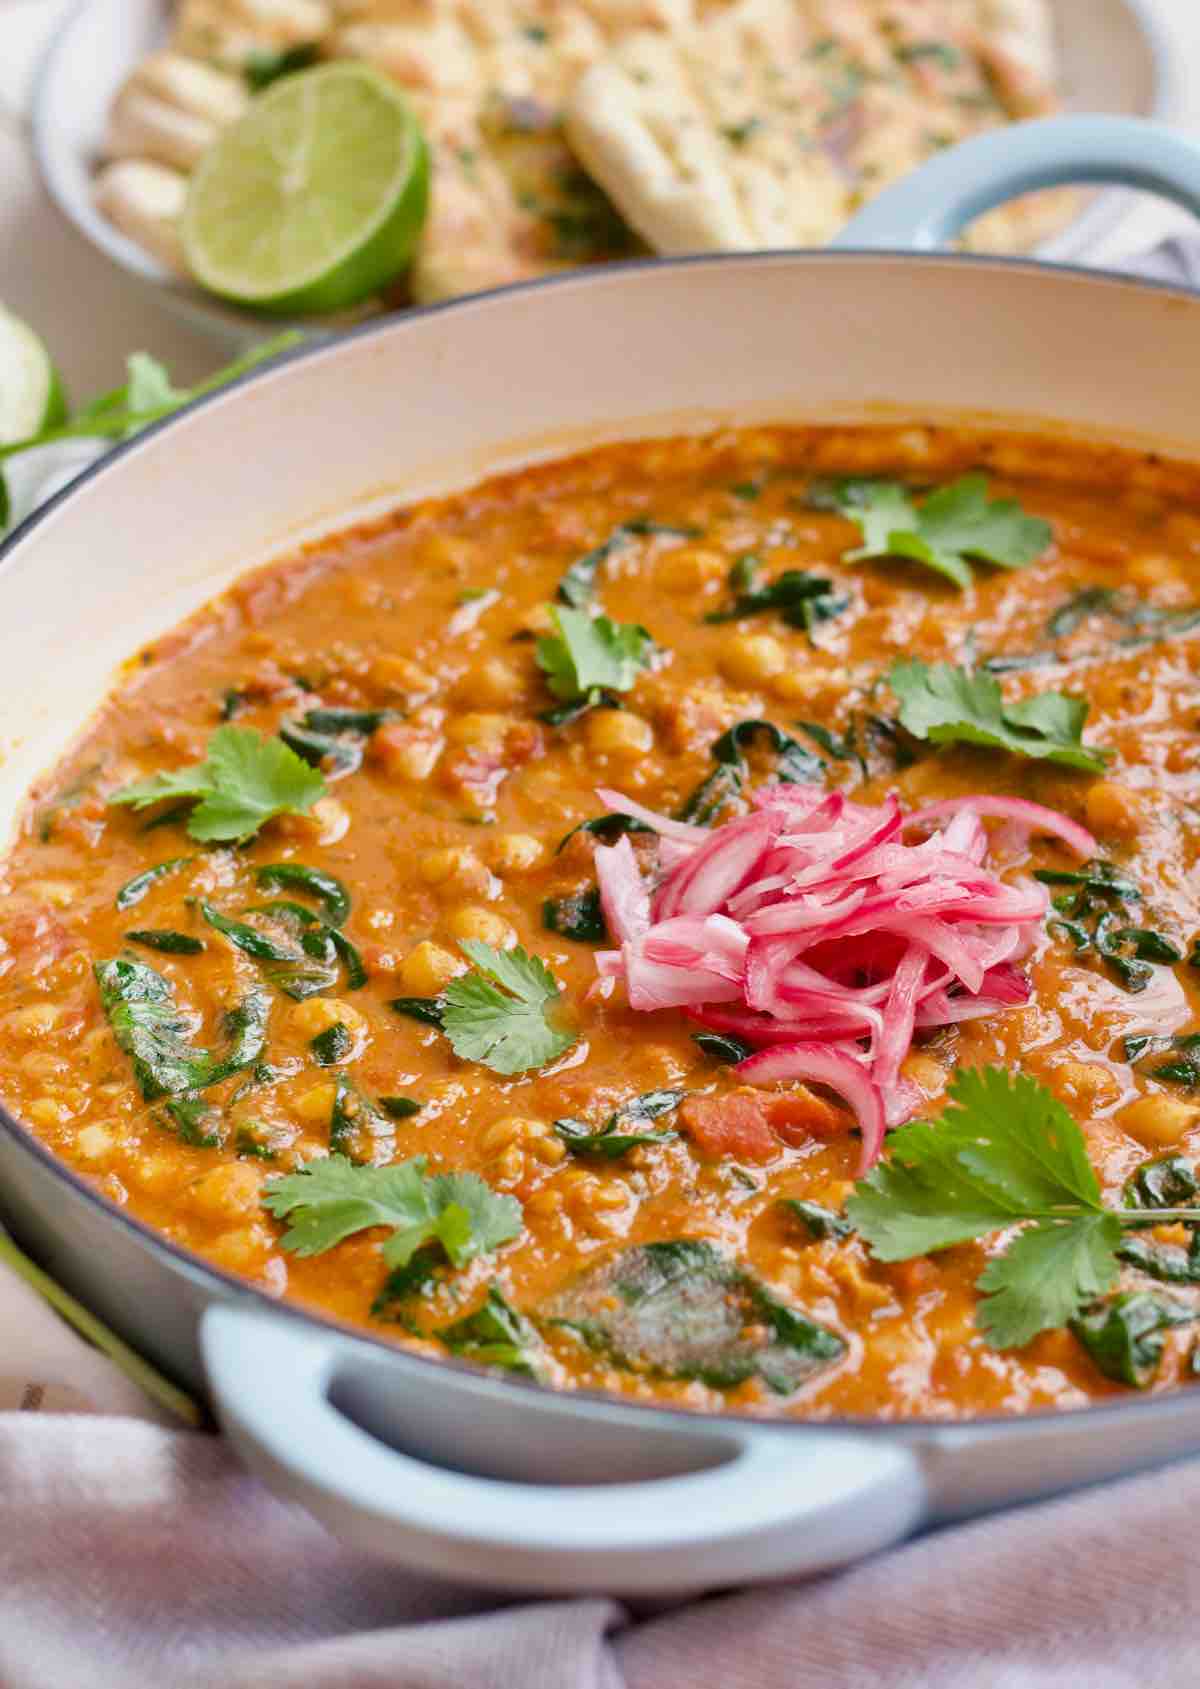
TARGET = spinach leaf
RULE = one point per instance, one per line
(1166, 1262)
(333, 740)
(1126, 950)
(794, 766)
(134, 890)
(166, 939)
(418, 1277)
(150, 1030)
(428, 1010)
(577, 916)
(723, 1048)
(607, 828)
(496, 1335)
(195, 1122)
(819, 1222)
(1123, 1334)
(333, 1045)
(325, 888)
(802, 600)
(400, 1108)
(298, 954)
(578, 586)
(684, 1310)
(260, 1141)
(352, 1114)
(1072, 614)
(613, 1139)
(1166, 1181)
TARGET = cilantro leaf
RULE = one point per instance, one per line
(951, 525)
(592, 653)
(1044, 1276)
(499, 1014)
(147, 396)
(329, 1200)
(244, 780)
(1005, 1151)
(945, 704)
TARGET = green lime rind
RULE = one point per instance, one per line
(315, 199)
(32, 397)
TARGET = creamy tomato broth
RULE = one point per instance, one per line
(451, 706)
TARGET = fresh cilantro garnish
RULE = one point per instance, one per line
(329, 1200)
(590, 657)
(148, 1026)
(500, 1013)
(243, 781)
(953, 524)
(944, 704)
(146, 396)
(1005, 1153)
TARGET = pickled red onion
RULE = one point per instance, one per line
(812, 931)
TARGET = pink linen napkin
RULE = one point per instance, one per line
(132, 1557)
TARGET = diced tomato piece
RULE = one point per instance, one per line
(37, 940)
(800, 1114)
(734, 1126)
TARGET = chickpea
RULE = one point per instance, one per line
(242, 1249)
(228, 1190)
(1089, 1081)
(545, 1202)
(326, 822)
(59, 894)
(752, 659)
(510, 1129)
(925, 1072)
(490, 684)
(401, 752)
(316, 1105)
(458, 867)
(93, 1143)
(1158, 1122)
(618, 733)
(1112, 808)
(510, 1166)
(403, 678)
(479, 730)
(514, 853)
(35, 1021)
(472, 921)
(690, 568)
(46, 1111)
(317, 1014)
(427, 968)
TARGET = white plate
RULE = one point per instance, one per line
(1117, 56)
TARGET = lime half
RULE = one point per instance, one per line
(314, 199)
(31, 394)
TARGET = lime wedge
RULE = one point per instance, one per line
(31, 393)
(314, 199)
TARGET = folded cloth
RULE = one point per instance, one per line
(137, 1557)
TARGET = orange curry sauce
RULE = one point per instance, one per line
(449, 830)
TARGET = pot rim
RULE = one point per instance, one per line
(229, 1286)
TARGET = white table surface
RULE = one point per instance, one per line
(91, 315)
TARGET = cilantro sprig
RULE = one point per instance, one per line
(1005, 1153)
(947, 529)
(501, 1013)
(147, 395)
(944, 704)
(590, 657)
(328, 1201)
(243, 781)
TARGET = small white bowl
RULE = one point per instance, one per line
(1118, 56)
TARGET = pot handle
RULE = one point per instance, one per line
(928, 208)
(488, 1481)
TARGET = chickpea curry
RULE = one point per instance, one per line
(710, 919)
